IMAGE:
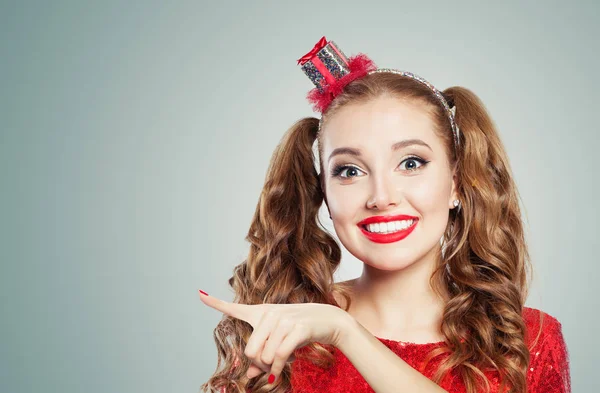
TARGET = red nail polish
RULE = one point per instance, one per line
(271, 378)
(201, 291)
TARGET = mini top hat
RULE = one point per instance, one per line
(330, 71)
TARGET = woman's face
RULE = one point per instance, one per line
(377, 180)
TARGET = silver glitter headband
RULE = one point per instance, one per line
(449, 111)
(330, 71)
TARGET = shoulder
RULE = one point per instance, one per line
(536, 319)
(533, 316)
(549, 369)
(541, 328)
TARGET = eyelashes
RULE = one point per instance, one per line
(339, 169)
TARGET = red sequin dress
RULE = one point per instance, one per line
(548, 371)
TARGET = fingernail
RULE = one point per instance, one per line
(271, 378)
(202, 292)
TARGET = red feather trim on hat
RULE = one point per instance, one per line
(359, 66)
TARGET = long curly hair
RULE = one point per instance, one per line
(483, 267)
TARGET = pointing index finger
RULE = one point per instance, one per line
(236, 310)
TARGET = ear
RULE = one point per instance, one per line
(453, 192)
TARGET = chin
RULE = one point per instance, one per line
(392, 256)
(392, 266)
(388, 261)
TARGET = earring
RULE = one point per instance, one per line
(456, 202)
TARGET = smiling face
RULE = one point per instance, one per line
(415, 179)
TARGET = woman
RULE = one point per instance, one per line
(419, 188)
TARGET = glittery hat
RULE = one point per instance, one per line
(330, 70)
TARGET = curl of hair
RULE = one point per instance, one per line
(291, 260)
(486, 265)
(483, 264)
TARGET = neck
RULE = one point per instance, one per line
(400, 302)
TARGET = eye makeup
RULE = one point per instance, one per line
(338, 169)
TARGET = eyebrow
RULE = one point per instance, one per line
(395, 146)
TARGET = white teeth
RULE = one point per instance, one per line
(388, 227)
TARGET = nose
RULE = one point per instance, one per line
(384, 193)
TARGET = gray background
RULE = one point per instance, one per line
(135, 137)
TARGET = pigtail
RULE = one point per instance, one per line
(485, 260)
(291, 258)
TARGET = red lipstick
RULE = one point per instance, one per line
(387, 237)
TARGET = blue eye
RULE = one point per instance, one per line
(421, 161)
(341, 168)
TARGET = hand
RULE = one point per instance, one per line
(278, 329)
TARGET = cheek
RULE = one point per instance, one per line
(344, 202)
(429, 195)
